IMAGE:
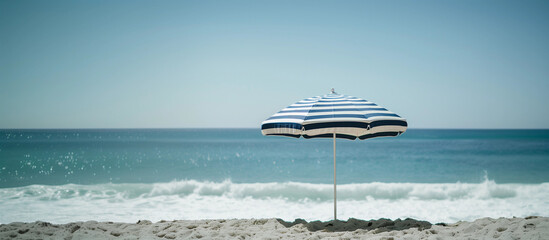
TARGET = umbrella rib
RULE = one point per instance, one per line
(364, 114)
(306, 114)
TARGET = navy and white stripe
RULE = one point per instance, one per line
(349, 117)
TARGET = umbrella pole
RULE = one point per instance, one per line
(335, 195)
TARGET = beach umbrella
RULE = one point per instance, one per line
(334, 116)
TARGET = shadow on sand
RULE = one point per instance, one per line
(381, 225)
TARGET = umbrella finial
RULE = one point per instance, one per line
(333, 91)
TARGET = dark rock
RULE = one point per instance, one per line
(291, 224)
(43, 224)
(381, 225)
(73, 227)
(529, 225)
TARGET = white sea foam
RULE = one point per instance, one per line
(190, 199)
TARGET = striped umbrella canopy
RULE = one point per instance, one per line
(334, 116)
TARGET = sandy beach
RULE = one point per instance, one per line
(485, 228)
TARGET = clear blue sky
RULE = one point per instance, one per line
(132, 64)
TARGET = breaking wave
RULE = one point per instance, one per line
(190, 199)
(292, 191)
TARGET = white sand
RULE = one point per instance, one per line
(485, 228)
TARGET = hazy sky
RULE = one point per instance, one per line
(128, 64)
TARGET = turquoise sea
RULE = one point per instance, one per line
(63, 175)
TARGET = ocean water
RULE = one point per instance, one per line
(130, 174)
